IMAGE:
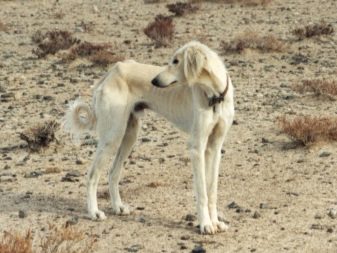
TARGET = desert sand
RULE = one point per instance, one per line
(283, 194)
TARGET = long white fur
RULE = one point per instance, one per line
(198, 75)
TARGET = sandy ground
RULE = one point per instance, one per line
(291, 190)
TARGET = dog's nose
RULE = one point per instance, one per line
(155, 82)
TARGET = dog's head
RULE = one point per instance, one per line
(193, 63)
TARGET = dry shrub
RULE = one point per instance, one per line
(307, 130)
(313, 30)
(40, 136)
(242, 2)
(53, 41)
(3, 27)
(161, 30)
(252, 40)
(318, 87)
(181, 9)
(16, 243)
(66, 239)
(57, 239)
(98, 54)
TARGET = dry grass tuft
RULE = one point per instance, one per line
(53, 41)
(3, 27)
(313, 30)
(57, 239)
(98, 54)
(161, 30)
(242, 2)
(252, 40)
(16, 243)
(181, 9)
(40, 136)
(307, 130)
(66, 239)
(318, 87)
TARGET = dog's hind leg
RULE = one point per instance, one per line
(110, 137)
(212, 158)
(124, 150)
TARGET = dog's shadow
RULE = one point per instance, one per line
(12, 202)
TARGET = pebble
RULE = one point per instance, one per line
(145, 139)
(190, 217)
(264, 206)
(134, 248)
(329, 230)
(71, 177)
(332, 213)
(199, 249)
(22, 214)
(256, 215)
(185, 237)
(33, 174)
(72, 221)
(233, 205)
(324, 153)
(316, 226)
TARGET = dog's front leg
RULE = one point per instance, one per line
(199, 178)
(213, 157)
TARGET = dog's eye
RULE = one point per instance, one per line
(175, 61)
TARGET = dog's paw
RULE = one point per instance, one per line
(220, 226)
(207, 229)
(97, 215)
(121, 210)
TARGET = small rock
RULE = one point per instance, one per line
(22, 214)
(256, 215)
(233, 205)
(199, 249)
(265, 140)
(190, 217)
(323, 153)
(134, 248)
(145, 139)
(316, 226)
(72, 221)
(185, 237)
(183, 246)
(33, 174)
(74, 173)
(329, 230)
(78, 162)
(264, 206)
(332, 213)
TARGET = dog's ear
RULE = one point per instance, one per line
(194, 61)
(216, 72)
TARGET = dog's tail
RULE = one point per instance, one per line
(79, 118)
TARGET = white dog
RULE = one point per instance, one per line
(194, 92)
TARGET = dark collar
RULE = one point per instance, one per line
(212, 101)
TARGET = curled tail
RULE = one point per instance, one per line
(79, 118)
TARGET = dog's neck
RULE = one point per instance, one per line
(215, 95)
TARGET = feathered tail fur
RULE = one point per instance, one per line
(79, 118)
